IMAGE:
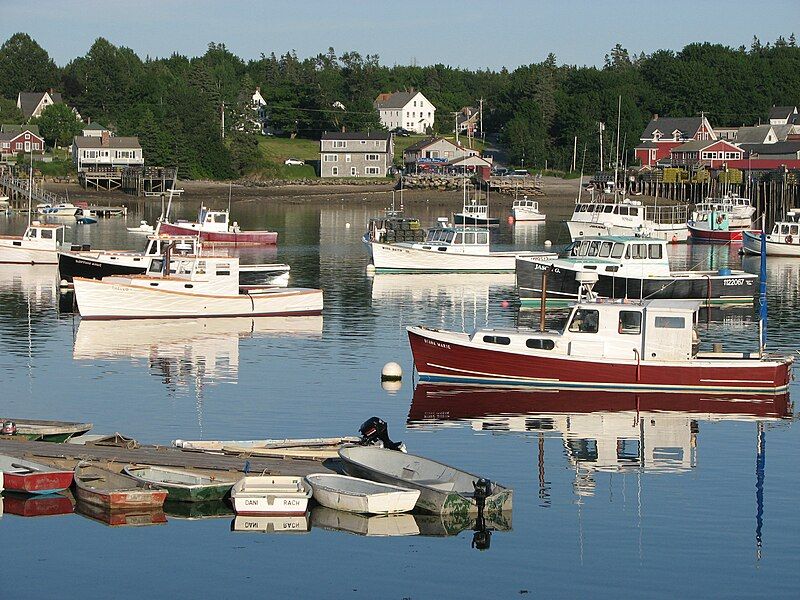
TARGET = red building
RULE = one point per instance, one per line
(663, 134)
(708, 153)
(13, 142)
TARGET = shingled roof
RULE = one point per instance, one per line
(28, 101)
(755, 134)
(395, 100)
(782, 112)
(17, 129)
(688, 126)
(356, 135)
(113, 142)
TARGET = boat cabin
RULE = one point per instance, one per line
(211, 220)
(526, 204)
(786, 230)
(654, 330)
(619, 256)
(457, 239)
(182, 244)
(45, 236)
(213, 275)
(626, 212)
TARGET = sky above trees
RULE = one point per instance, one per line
(457, 33)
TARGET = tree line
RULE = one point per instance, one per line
(175, 104)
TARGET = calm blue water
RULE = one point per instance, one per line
(688, 497)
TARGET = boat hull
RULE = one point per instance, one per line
(447, 358)
(48, 482)
(331, 491)
(72, 264)
(400, 258)
(751, 243)
(22, 255)
(192, 488)
(528, 215)
(700, 234)
(711, 288)
(223, 238)
(122, 499)
(106, 300)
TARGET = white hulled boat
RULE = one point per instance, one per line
(527, 210)
(193, 287)
(740, 210)
(37, 246)
(64, 209)
(784, 240)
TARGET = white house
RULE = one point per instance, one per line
(106, 151)
(33, 103)
(408, 110)
(93, 130)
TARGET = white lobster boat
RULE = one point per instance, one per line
(193, 287)
(39, 245)
(784, 240)
(527, 210)
(448, 249)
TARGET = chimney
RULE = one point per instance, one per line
(655, 116)
(105, 139)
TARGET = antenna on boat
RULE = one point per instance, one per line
(230, 193)
(583, 164)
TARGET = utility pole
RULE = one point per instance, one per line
(480, 116)
(574, 153)
(602, 127)
(222, 112)
(455, 120)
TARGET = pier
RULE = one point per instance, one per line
(18, 192)
(138, 181)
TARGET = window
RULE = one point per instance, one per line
(339, 144)
(784, 229)
(334, 171)
(347, 158)
(793, 230)
(655, 251)
(609, 208)
(220, 218)
(630, 322)
(497, 339)
(670, 322)
(540, 344)
(353, 171)
(482, 238)
(372, 170)
(605, 249)
(331, 158)
(638, 250)
(373, 157)
(469, 237)
(585, 321)
(593, 248)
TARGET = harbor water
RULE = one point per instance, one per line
(614, 494)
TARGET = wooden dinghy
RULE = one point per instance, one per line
(393, 525)
(302, 448)
(443, 489)
(31, 477)
(48, 431)
(101, 487)
(270, 495)
(182, 485)
(352, 494)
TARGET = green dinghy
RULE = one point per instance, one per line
(182, 485)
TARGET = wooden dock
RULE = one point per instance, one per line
(68, 455)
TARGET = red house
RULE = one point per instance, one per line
(663, 134)
(23, 140)
(708, 153)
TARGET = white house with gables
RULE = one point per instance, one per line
(33, 103)
(91, 152)
(408, 110)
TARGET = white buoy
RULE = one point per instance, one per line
(370, 269)
(391, 372)
(547, 243)
(392, 386)
(347, 225)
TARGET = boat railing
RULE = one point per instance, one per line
(672, 214)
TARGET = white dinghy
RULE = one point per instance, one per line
(352, 494)
(270, 495)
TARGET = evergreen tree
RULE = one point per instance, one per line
(25, 67)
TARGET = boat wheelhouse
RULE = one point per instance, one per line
(527, 210)
(214, 227)
(628, 217)
(39, 245)
(650, 346)
(628, 268)
(784, 240)
(714, 226)
(447, 249)
(740, 210)
(475, 212)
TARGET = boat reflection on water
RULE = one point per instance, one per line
(136, 517)
(24, 505)
(196, 511)
(272, 524)
(601, 431)
(366, 525)
(466, 298)
(530, 234)
(37, 284)
(180, 350)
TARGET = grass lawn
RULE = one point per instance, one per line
(278, 149)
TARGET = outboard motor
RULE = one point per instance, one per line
(482, 537)
(375, 432)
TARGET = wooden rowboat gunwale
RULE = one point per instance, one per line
(206, 487)
(102, 487)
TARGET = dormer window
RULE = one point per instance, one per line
(676, 135)
(656, 135)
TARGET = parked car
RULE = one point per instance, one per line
(294, 162)
(500, 171)
(401, 132)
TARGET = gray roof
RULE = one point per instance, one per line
(396, 100)
(777, 148)
(756, 134)
(17, 129)
(781, 112)
(94, 127)
(30, 100)
(356, 135)
(666, 125)
(425, 143)
(647, 144)
(113, 142)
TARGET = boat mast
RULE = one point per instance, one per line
(616, 153)
(762, 295)
(30, 189)
(580, 183)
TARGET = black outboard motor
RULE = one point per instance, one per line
(375, 432)
(482, 537)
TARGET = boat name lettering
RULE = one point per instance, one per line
(437, 344)
(251, 502)
(733, 282)
(288, 502)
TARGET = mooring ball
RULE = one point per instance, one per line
(370, 269)
(547, 243)
(391, 386)
(347, 225)
(391, 372)
(510, 220)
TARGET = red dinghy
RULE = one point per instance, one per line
(104, 488)
(31, 477)
(213, 228)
